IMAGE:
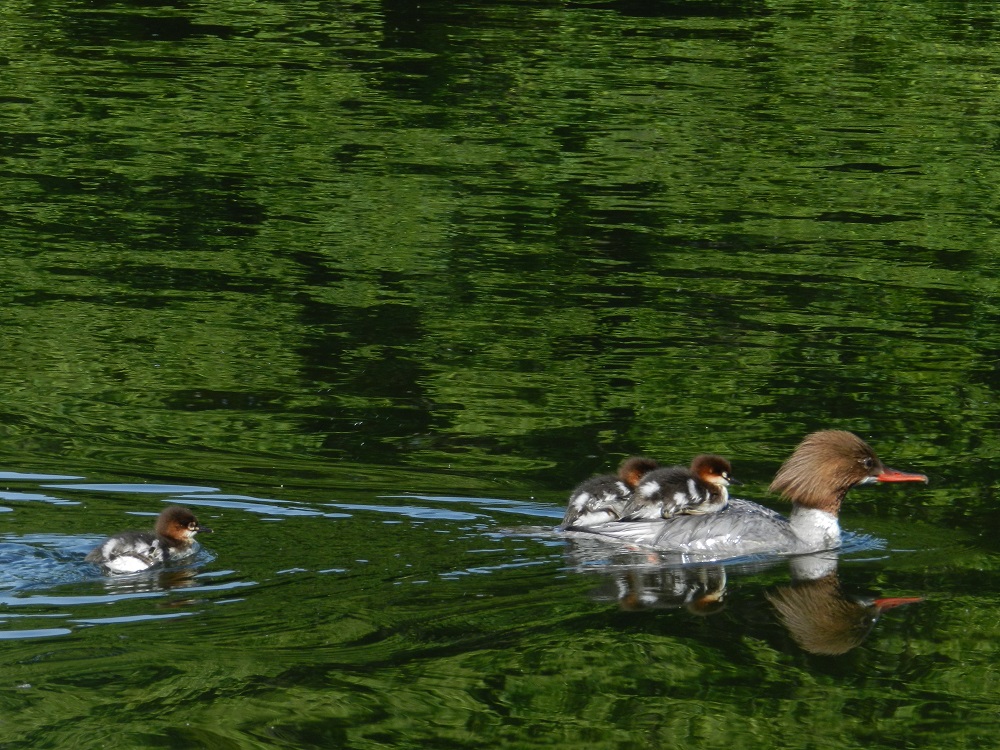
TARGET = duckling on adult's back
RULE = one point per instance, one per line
(600, 499)
(134, 551)
(675, 490)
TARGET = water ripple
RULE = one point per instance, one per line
(14, 635)
(410, 511)
(129, 618)
(162, 489)
(254, 505)
(520, 507)
(21, 476)
(35, 497)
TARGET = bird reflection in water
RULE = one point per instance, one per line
(819, 615)
(153, 581)
(700, 590)
(822, 619)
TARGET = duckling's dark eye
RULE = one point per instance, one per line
(193, 525)
(868, 463)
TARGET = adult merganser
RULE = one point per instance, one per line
(815, 478)
(601, 499)
(133, 551)
(669, 492)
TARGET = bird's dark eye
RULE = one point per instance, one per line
(193, 525)
(868, 463)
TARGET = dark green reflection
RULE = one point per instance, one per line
(334, 253)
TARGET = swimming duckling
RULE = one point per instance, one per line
(133, 551)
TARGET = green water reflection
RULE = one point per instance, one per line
(329, 254)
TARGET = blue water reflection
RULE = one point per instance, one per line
(265, 506)
(519, 507)
(16, 635)
(410, 511)
(129, 619)
(29, 477)
(144, 488)
(34, 497)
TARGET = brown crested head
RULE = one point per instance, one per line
(712, 469)
(826, 464)
(179, 524)
(634, 469)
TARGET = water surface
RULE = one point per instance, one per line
(371, 286)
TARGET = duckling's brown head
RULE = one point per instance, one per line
(179, 524)
(713, 470)
(634, 469)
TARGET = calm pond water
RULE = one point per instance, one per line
(371, 285)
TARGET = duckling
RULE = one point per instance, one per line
(132, 551)
(601, 498)
(677, 490)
